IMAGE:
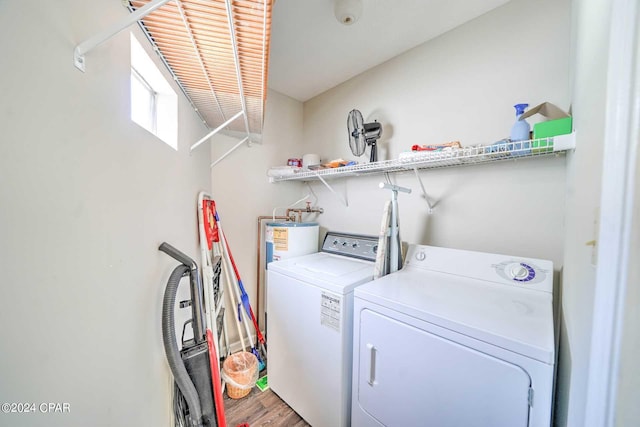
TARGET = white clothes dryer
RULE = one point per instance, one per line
(456, 338)
(310, 326)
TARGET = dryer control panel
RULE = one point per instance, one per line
(352, 245)
(526, 273)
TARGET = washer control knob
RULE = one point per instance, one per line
(421, 256)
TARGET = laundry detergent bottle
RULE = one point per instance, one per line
(520, 129)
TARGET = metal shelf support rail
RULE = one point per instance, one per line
(216, 130)
(200, 61)
(86, 46)
(344, 201)
(264, 49)
(424, 192)
(231, 150)
(243, 102)
(234, 43)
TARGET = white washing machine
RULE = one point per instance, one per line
(310, 327)
(455, 338)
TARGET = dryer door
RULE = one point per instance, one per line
(410, 377)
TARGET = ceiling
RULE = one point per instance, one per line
(312, 52)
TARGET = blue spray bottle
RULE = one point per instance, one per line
(520, 129)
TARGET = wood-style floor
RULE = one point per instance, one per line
(261, 408)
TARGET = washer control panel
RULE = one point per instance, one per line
(352, 245)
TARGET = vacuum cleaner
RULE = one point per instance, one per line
(193, 400)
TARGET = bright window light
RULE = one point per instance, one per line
(154, 104)
(143, 102)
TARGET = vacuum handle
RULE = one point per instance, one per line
(197, 293)
(184, 330)
(177, 255)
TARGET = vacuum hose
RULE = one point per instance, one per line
(176, 364)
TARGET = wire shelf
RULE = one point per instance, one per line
(422, 160)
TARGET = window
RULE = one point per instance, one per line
(154, 104)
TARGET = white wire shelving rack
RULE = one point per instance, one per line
(424, 160)
(421, 160)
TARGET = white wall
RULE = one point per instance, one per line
(242, 190)
(584, 171)
(461, 86)
(87, 196)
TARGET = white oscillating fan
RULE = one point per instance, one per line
(362, 134)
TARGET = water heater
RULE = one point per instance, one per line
(290, 239)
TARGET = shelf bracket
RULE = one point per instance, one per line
(87, 45)
(326, 184)
(216, 130)
(246, 138)
(424, 192)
